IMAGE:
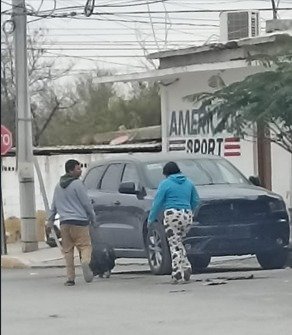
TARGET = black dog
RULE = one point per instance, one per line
(102, 260)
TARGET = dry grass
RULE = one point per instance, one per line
(13, 227)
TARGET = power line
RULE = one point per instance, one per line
(184, 11)
(110, 43)
(89, 59)
(117, 28)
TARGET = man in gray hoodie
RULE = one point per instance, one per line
(75, 210)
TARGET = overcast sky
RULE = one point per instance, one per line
(114, 36)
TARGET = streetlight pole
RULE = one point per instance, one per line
(24, 132)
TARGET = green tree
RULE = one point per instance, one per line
(88, 117)
(142, 109)
(101, 109)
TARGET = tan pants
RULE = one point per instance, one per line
(75, 236)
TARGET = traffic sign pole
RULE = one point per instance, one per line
(6, 144)
(3, 230)
(24, 133)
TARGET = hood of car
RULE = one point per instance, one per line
(233, 191)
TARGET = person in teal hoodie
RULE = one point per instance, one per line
(178, 198)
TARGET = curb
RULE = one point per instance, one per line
(8, 262)
(11, 262)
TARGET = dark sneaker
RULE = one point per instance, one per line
(87, 272)
(187, 274)
(69, 283)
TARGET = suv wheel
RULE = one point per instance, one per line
(158, 250)
(273, 259)
(199, 262)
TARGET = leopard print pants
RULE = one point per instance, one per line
(177, 224)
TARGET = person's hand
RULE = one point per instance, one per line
(93, 223)
(149, 224)
(49, 226)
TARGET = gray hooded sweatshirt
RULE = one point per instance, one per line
(71, 202)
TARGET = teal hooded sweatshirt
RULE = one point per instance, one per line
(176, 191)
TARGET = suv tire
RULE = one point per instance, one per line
(158, 250)
(273, 259)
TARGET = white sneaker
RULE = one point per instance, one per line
(87, 272)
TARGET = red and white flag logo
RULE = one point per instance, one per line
(232, 146)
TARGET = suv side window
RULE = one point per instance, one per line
(92, 178)
(130, 173)
(112, 177)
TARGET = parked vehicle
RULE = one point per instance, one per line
(235, 217)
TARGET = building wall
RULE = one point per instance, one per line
(177, 136)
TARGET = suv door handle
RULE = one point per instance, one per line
(117, 202)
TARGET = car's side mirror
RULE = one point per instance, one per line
(255, 180)
(128, 188)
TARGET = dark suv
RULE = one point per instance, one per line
(235, 217)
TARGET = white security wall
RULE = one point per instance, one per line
(52, 167)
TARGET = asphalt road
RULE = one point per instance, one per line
(226, 301)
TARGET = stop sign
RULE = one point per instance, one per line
(6, 140)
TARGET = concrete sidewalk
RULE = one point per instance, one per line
(43, 257)
(46, 257)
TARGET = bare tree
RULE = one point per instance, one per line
(46, 97)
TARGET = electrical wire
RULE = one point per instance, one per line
(89, 59)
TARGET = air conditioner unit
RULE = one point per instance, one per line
(239, 24)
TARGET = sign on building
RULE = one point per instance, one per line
(187, 134)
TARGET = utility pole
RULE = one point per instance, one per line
(24, 132)
(275, 15)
